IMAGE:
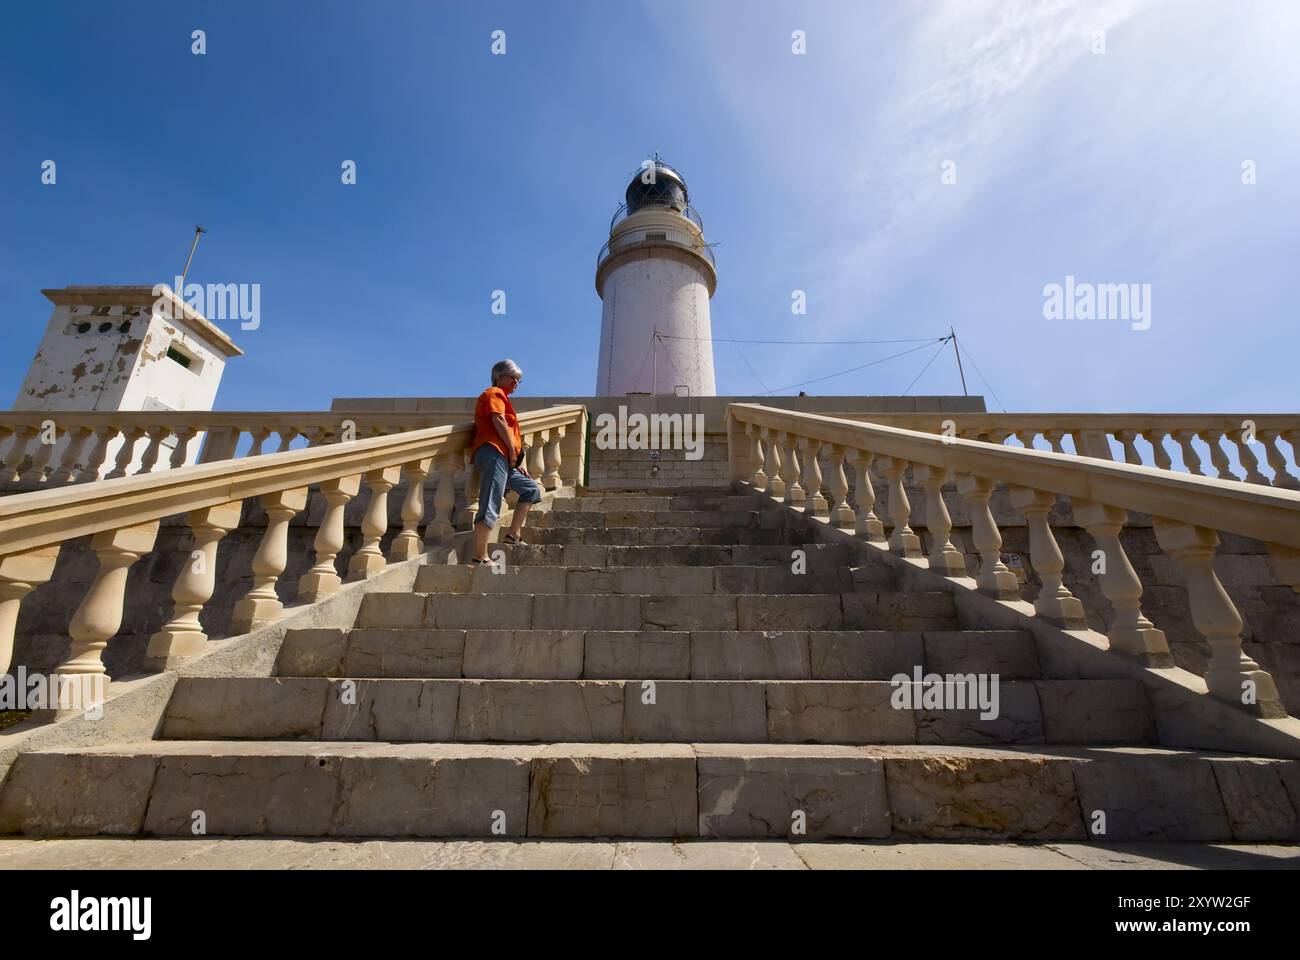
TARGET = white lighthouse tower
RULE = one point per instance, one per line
(655, 277)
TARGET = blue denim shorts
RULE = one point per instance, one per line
(495, 477)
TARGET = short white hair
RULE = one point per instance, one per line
(506, 366)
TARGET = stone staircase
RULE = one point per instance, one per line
(693, 665)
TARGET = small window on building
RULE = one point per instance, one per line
(101, 311)
(83, 328)
(184, 360)
(124, 326)
(105, 327)
(656, 236)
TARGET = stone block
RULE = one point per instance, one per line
(312, 653)
(706, 612)
(391, 710)
(1255, 798)
(524, 654)
(1019, 718)
(421, 653)
(635, 791)
(1096, 711)
(76, 794)
(245, 708)
(944, 796)
(577, 612)
(634, 654)
(807, 612)
(1152, 797)
(523, 711)
(863, 654)
(839, 796)
(1009, 654)
(393, 610)
(749, 655)
(695, 711)
(480, 611)
(857, 711)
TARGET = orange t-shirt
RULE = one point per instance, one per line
(491, 401)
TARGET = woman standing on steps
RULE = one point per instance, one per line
(499, 456)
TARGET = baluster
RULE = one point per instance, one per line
(1055, 439)
(1213, 440)
(1191, 459)
(1277, 459)
(994, 579)
(150, 456)
(77, 438)
(17, 452)
(774, 486)
(369, 560)
(779, 483)
(1158, 452)
(759, 479)
(551, 479)
(183, 635)
(814, 503)
(1055, 603)
(41, 451)
(440, 529)
(944, 557)
(795, 495)
(98, 454)
(1131, 455)
(20, 574)
(180, 454)
(259, 437)
(262, 604)
(869, 526)
(407, 545)
(1230, 675)
(1026, 437)
(99, 616)
(471, 491)
(1249, 462)
(1292, 437)
(536, 464)
(287, 435)
(842, 514)
(126, 454)
(323, 579)
(1130, 632)
(901, 540)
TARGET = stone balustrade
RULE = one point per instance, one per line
(1247, 447)
(53, 447)
(1189, 512)
(122, 516)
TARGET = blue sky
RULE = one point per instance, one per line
(818, 172)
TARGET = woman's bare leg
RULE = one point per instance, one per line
(517, 521)
(481, 534)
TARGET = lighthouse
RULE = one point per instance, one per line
(655, 277)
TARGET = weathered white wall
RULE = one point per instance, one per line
(656, 293)
(125, 367)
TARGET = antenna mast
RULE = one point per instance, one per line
(952, 335)
(193, 246)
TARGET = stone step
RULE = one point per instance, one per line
(687, 501)
(657, 518)
(615, 711)
(815, 555)
(738, 791)
(716, 611)
(463, 578)
(657, 535)
(653, 654)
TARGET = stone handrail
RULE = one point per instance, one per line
(777, 452)
(1093, 433)
(122, 516)
(56, 447)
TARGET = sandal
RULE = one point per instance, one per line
(511, 538)
(478, 563)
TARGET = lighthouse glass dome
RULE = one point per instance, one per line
(667, 188)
